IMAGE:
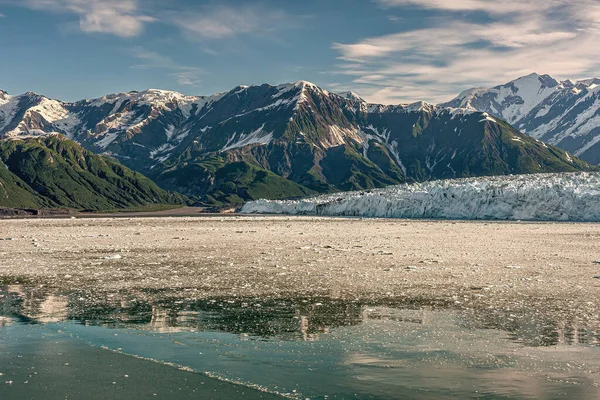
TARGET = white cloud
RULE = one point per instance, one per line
(554, 36)
(117, 17)
(187, 78)
(184, 75)
(152, 59)
(219, 22)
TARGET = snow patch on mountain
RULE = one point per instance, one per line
(338, 136)
(156, 99)
(283, 89)
(530, 89)
(54, 112)
(179, 138)
(258, 136)
(383, 138)
(420, 106)
(160, 150)
(110, 127)
(170, 131)
(302, 86)
(31, 134)
(468, 95)
(457, 112)
(487, 117)
(548, 197)
(276, 104)
(574, 122)
(303, 97)
(161, 154)
(593, 141)
(8, 108)
(350, 95)
(107, 140)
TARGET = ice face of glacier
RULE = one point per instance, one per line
(539, 197)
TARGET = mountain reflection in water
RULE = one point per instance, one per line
(283, 319)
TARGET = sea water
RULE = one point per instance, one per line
(137, 344)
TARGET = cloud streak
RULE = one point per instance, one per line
(434, 64)
(507, 6)
(183, 74)
(189, 77)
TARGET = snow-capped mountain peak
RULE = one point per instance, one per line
(565, 113)
(513, 100)
(305, 84)
(40, 116)
(589, 82)
(302, 85)
(420, 106)
(153, 97)
(350, 95)
(466, 96)
(4, 96)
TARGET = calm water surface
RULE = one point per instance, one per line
(116, 345)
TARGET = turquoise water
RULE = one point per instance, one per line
(298, 348)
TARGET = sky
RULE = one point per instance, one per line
(387, 51)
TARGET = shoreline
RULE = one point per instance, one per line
(69, 367)
(200, 212)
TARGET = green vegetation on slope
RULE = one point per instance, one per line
(56, 172)
(346, 169)
(223, 182)
(14, 193)
(242, 181)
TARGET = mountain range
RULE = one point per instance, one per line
(562, 113)
(282, 141)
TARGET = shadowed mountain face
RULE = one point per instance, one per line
(566, 114)
(51, 171)
(283, 141)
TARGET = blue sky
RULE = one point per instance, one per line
(388, 51)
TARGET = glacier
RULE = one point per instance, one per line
(571, 197)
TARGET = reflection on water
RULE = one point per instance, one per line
(284, 319)
(281, 319)
(322, 347)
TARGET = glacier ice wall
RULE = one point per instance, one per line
(541, 197)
